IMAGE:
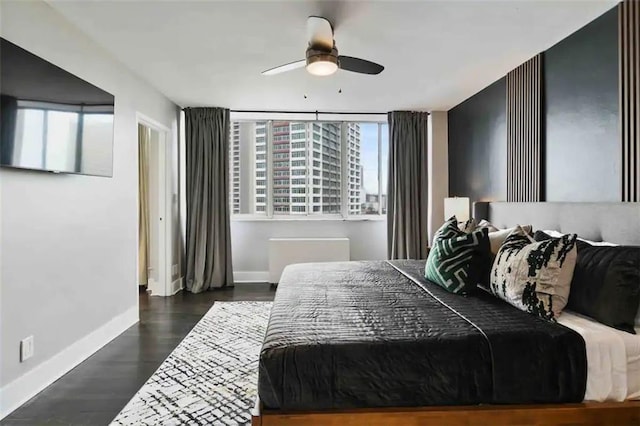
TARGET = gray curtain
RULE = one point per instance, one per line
(407, 211)
(208, 235)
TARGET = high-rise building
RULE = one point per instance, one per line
(242, 180)
(354, 167)
(305, 167)
(234, 167)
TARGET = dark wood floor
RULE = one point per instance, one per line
(96, 390)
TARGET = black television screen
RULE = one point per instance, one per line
(50, 119)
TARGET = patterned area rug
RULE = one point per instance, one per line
(211, 377)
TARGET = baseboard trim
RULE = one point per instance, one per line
(25, 387)
(251, 276)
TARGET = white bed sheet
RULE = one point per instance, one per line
(613, 359)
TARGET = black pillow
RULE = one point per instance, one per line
(605, 284)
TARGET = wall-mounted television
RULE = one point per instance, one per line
(50, 119)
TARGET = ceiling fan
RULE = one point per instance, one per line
(322, 54)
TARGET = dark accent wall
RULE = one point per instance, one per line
(583, 151)
(478, 145)
(580, 144)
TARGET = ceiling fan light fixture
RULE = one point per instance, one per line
(322, 57)
(322, 65)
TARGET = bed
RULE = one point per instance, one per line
(375, 343)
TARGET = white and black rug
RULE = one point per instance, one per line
(211, 377)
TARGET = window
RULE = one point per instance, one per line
(315, 168)
(369, 168)
(300, 135)
(298, 145)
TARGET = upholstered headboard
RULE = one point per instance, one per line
(614, 222)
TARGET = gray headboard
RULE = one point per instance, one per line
(614, 222)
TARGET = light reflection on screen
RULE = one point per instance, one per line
(63, 138)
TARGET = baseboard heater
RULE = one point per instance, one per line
(287, 251)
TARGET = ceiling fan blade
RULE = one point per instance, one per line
(320, 33)
(362, 66)
(286, 67)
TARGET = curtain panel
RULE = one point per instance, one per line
(208, 236)
(407, 211)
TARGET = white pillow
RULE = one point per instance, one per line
(497, 238)
(473, 225)
(599, 243)
(557, 234)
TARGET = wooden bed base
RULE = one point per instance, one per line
(596, 413)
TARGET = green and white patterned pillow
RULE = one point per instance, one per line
(534, 276)
(448, 230)
(459, 263)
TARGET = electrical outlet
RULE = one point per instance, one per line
(26, 348)
(174, 270)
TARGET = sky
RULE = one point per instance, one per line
(369, 156)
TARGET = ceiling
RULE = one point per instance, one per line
(436, 53)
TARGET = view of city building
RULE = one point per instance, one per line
(301, 170)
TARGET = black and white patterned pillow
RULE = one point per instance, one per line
(534, 276)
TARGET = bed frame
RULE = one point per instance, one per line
(596, 413)
(613, 222)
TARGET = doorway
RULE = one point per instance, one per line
(154, 219)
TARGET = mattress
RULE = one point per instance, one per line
(613, 359)
(377, 334)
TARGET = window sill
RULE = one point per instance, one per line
(257, 218)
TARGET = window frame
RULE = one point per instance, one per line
(344, 179)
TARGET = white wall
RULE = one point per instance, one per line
(438, 169)
(249, 240)
(69, 243)
(153, 177)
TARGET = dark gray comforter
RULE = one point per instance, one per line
(376, 334)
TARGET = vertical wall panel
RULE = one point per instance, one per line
(523, 131)
(629, 45)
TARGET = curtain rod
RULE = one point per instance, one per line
(256, 111)
(250, 111)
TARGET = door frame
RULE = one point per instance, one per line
(164, 286)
